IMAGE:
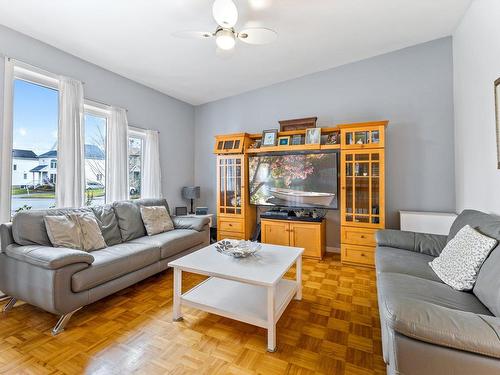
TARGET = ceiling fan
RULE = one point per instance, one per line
(225, 14)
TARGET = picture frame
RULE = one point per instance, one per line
(497, 115)
(313, 136)
(296, 139)
(269, 138)
(284, 141)
(333, 138)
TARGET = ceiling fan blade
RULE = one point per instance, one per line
(225, 13)
(257, 35)
(190, 34)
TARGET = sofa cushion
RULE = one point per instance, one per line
(189, 222)
(28, 227)
(108, 223)
(390, 259)
(442, 326)
(173, 242)
(129, 220)
(487, 287)
(488, 225)
(113, 262)
(393, 286)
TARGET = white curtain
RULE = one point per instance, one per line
(6, 143)
(70, 182)
(151, 175)
(117, 156)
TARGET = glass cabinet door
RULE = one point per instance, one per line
(362, 187)
(371, 137)
(229, 184)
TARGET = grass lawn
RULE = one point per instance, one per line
(50, 194)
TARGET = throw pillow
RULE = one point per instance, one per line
(156, 219)
(63, 232)
(460, 261)
(92, 238)
(78, 231)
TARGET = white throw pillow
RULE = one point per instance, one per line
(462, 258)
(156, 219)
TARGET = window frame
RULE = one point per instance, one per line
(134, 132)
(33, 75)
(97, 109)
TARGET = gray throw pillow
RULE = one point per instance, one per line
(91, 236)
(462, 258)
(108, 223)
(129, 220)
(156, 219)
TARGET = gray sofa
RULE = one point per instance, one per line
(62, 281)
(428, 327)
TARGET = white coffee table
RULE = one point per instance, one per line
(251, 290)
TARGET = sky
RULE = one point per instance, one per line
(36, 119)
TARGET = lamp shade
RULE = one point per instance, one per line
(190, 192)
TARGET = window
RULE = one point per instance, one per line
(35, 125)
(53, 164)
(96, 121)
(135, 152)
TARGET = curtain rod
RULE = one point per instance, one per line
(139, 128)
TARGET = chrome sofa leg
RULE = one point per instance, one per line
(9, 305)
(61, 323)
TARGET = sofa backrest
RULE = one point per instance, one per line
(119, 222)
(28, 227)
(129, 216)
(487, 287)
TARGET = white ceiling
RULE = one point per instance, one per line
(133, 37)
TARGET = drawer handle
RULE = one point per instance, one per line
(363, 254)
(362, 236)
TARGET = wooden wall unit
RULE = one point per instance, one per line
(362, 190)
(235, 216)
(362, 184)
(309, 235)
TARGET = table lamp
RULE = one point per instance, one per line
(191, 192)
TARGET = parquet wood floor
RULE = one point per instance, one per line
(335, 329)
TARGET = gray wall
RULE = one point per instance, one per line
(476, 50)
(413, 88)
(147, 108)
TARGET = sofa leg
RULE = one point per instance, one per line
(9, 305)
(61, 323)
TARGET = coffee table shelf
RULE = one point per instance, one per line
(239, 301)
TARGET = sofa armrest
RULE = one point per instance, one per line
(442, 326)
(189, 222)
(425, 243)
(51, 258)
(6, 237)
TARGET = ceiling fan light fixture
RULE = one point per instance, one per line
(225, 39)
(225, 13)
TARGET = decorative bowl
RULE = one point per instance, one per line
(237, 248)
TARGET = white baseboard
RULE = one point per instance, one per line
(332, 249)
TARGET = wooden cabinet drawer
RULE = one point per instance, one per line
(358, 236)
(362, 255)
(230, 235)
(231, 225)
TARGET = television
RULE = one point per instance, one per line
(298, 180)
